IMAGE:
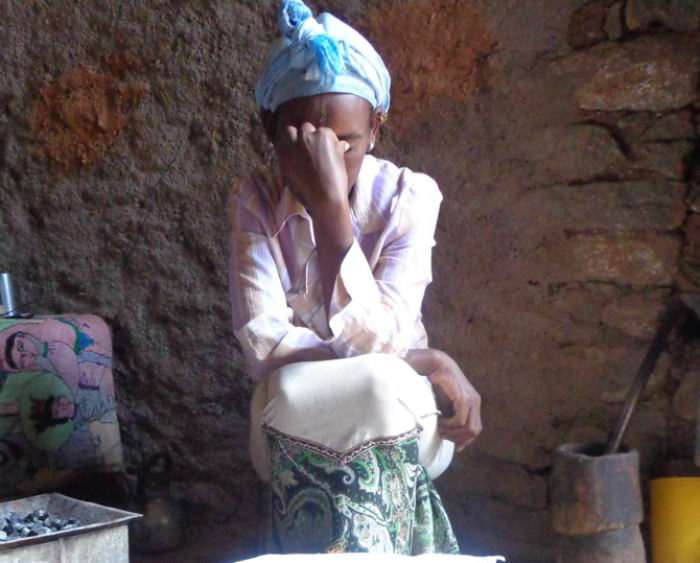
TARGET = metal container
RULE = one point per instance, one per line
(592, 492)
(597, 505)
(162, 526)
(7, 296)
(102, 537)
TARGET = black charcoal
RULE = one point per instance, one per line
(36, 523)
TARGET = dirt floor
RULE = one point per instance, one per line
(214, 543)
(219, 543)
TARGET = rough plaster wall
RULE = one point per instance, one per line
(564, 218)
(147, 255)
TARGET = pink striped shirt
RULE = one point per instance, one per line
(278, 311)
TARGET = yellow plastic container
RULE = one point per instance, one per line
(675, 520)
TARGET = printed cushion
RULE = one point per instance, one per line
(57, 403)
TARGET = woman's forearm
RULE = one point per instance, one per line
(423, 361)
(333, 234)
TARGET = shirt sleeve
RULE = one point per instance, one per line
(262, 321)
(376, 309)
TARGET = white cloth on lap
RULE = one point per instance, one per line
(343, 407)
(369, 558)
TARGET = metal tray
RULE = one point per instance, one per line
(92, 516)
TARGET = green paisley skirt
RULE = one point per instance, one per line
(383, 501)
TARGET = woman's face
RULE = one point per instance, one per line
(349, 116)
(23, 353)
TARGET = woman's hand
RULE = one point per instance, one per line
(312, 163)
(313, 167)
(456, 397)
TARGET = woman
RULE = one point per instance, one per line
(330, 261)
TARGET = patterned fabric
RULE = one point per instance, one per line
(276, 294)
(58, 417)
(381, 502)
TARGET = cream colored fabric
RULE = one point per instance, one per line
(345, 406)
(369, 558)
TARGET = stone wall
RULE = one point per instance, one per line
(579, 168)
(567, 150)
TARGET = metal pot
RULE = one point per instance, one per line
(162, 525)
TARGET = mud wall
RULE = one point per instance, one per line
(562, 133)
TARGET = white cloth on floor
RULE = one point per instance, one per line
(345, 406)
(370, 558)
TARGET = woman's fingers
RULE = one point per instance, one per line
(455, 396)
(472, 419)
(465, 425)
(307, 128)
(462, 434)
(292, 133)
(313, 166)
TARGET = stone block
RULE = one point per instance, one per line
(610, 207)
(613, 21)
(690, 259)
(650, 73)
(516, 439)
(581, 377)
(685, 400)
(648, 428)
(671, 127)
(692, 200)
(587, 26)
(583, 303)
(666, 159)
(681, 441)
(497, 478)
(573, 316)
(679, 15)
(632, 126)
(656, 383)
(637, 314)
(626, 259)
(571, 153)
(692, 301)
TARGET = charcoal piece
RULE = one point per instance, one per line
(39, 514)
(36, 523)
(39, 531)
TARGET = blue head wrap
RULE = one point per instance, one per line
(320, 56)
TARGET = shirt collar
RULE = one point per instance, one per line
(287, 208)
(363, 210)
